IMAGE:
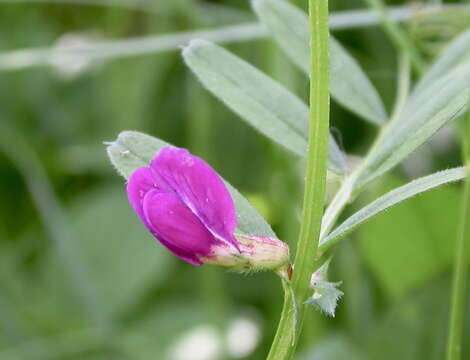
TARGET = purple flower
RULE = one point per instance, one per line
(186, 206)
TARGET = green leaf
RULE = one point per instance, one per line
(132, 150)
(411, 243)
(424, 114)
(348, 83)
(414, 326)
(456, 53)
(255, 97)
(392, 198)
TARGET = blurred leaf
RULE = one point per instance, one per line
(50, 56)
(53, 217)
(392, 198)
(332, 347)
(433, 30)
(413, 242)
(349, 85)
(455, 54)
(260, 101)
(102, 50)
(151, 337)
(359, 307)
(415, 326)
(424, 114)
(123, 257)
(132, 150)
(68, 345)
(221, 15)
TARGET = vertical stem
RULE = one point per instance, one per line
(398, 36)
(460, 265)
(286, 337)
(317, 152)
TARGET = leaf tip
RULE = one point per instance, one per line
(194, 45)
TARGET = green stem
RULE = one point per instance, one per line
(460, 264)
(398, 36)
(286, 337)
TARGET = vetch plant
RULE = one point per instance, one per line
(202, 219)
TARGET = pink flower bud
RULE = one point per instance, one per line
(184, 203)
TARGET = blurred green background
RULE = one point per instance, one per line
(80, 278)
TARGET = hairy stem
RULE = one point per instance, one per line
(288, 331)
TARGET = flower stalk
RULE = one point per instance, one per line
(286, 338)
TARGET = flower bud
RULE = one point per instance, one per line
(256, 253)
(185, 204)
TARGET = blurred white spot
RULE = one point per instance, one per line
(69, 57)
(242, 337)
(200, 343)
(443, 140)
(418, 163)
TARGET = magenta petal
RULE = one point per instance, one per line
(177, 227)
(183, 255)
(140, 183)
(200, 188)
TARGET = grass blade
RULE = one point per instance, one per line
(152, 44)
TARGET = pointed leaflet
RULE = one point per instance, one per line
(133, 150)
(456, 53)
(392, 198)
(349, 85)
(424, 114)
(263, 103)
